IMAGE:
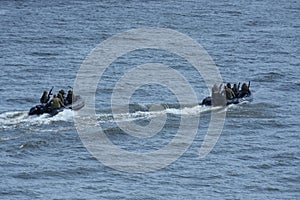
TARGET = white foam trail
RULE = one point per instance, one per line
(8, 119)
(65, 115)
(13, 119)
(196, 110)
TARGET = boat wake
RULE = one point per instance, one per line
(20, 119)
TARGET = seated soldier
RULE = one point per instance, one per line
(218, 96)
(61, 95)
(235, 89)
(57, 103)
(229, 93)
(244, 92)
(70, 97)
(45, 97)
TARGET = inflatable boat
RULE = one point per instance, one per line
(46, 108)
(247, 98)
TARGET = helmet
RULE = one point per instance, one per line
(228, 85)
(62, 91)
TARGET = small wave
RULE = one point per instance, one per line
(268, 77)
(4, 139)
(9, 118)
(42, 54)
(33, 144)
(3, 12)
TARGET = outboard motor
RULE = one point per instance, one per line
(206, 101)
(37, 110)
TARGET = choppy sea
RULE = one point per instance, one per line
(257, 156)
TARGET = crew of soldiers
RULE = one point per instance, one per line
(219, 95)
(59, 100)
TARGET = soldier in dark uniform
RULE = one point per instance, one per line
(244, 92)
(45, 97)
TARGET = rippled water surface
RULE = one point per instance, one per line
(43, 44)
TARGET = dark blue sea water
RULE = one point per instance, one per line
(257, 156)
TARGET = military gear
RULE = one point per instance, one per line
(245, 91)
(235, 89)
(60, 96)
(62, 92)
(70, 97)
(57, 103)
(45, 97)
(229, 93)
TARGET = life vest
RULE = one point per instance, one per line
(56, 103)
